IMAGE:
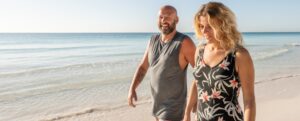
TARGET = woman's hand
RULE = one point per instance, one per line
(187, 117)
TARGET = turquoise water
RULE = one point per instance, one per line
(54, 74)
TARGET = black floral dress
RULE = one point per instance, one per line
(218, 90)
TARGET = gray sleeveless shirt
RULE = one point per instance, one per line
(168, 80)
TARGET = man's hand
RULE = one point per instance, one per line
(131, 96)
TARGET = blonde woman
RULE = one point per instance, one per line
(222, 67)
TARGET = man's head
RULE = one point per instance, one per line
(167, 19)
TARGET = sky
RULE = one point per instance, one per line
(138, 15)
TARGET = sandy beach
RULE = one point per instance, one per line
(276, 99)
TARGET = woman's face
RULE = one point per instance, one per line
(206, 30)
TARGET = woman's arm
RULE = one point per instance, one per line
(192, 101)
(245, 69)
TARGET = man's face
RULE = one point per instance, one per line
(167, 20)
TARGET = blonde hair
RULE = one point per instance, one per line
(222, 20)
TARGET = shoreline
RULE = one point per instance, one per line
(275, 100)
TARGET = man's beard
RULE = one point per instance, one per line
(167, 30)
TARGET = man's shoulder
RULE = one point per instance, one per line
(184, 35)
(188, 43)
(187, 40)
(154, 37)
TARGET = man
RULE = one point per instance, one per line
(167, 57)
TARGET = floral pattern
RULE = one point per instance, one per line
(218, 89)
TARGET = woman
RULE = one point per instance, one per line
(223, 66)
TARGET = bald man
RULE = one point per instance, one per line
(167, 57)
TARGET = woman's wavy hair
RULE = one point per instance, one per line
(223, 22)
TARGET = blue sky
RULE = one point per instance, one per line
(138, 15)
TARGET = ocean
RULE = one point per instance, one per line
(49, 76)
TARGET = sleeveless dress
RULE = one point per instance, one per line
(218, 89)
(167, 79)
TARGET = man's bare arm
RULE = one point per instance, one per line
(137, 78)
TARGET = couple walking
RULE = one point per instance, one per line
(222, 66)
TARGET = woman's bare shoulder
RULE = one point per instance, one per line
(242, 54)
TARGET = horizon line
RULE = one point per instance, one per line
(136, 32)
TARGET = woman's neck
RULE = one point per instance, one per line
(214, 46)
